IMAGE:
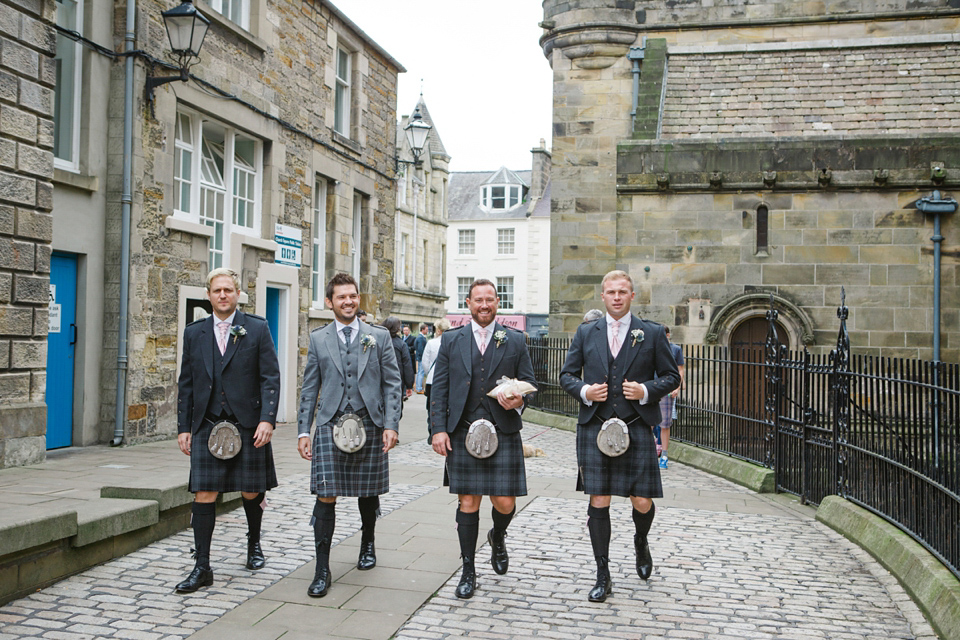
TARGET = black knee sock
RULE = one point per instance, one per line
(204, 519)
(598, 522)
(369, 510)
(324, 521)
(501, 520)
(644, 520)
(254, 510)
(468, 526)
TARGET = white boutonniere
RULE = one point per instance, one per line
(637, 335)
(368, 341)
(500, 337)
(238, 331)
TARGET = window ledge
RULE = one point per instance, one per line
(258, 243)
(231, 26)
(177, 224)
(320, 314)
(77, 180)
(353, 145)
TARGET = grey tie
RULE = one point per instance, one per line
(346, 334)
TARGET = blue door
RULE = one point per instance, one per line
(61, 347)
(273, 314)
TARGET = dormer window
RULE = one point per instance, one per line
(500, 197)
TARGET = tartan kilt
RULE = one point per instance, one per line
(666, 411)
(502, 474)
(635, 473)
(252, 470)
(362, 474)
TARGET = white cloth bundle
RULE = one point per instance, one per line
(511, 387)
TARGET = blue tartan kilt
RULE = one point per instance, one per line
(502, 474)
(361, 474)
(252, 470)
(635, 473)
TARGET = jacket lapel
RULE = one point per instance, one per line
(631, 346)
(207, 338)
(233, 342)
(465, 337)
(331, 341)
(364, 353)
(601, 344)
(497, 351)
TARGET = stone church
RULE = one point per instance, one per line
(723, 150)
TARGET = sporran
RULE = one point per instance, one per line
(224, 441)
(349, 434)
(482, 441)
(614, 438)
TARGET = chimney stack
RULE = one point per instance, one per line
(540, 175)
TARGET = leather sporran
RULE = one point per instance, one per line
(482, 441)
(349, 434)
(614, 438)
(224, 441)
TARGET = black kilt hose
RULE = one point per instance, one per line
(502, 474)
(362, 474)
(251, 471)
(635, 473)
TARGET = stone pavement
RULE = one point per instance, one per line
(730, 563)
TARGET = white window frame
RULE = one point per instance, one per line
(464, 242)
(506, 241)
(512, 196)
(505, 291)
(71, 163)
(342, 100)
(463, 290)
(357, 235)
(201, 149)
(229, 8)
(318, 232)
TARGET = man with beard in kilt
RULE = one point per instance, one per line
(469, 364)
(618, 367)
(351, 377)
(228, 373)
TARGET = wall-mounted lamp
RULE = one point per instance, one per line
(186, 29)
(417, 131)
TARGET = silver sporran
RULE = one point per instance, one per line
(349, 434)
(224, 441)
(482, 441)
(614, 437)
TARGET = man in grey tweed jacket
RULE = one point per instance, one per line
(351, 369)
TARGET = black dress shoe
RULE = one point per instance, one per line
(255, 559)
(199, 577)
(368, 556)
(604, 585)
(498, 551)
(321, 583)
(468, 580)
(644, 561)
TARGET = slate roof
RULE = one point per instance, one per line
(464, 203)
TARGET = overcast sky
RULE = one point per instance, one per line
(484, 76)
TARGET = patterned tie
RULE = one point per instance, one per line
(483, 340)
(347, 331)
(222, 328)
(615, 343)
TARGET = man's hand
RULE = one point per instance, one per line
(184, 440)
(633, 390)
(263, 434)
(597, 392)
(409, 392)
(389, 439)
(513, 401)
(441, 443)
(675, 392)
(303, 446)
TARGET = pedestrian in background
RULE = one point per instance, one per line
(393, 325)
(408, 339)
(668, 407)
(419, 345)
(593, 314)
(429, 358)
(229, 373)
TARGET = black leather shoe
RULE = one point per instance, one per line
(321, 583)
(468, 580)
(199, 577)
(644, 561)
(368, 556)
(498, 551)
(604, 585)
(255, 559)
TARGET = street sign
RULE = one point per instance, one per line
(290, 245)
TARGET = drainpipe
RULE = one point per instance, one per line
(126, 201)
(635, 55)
(936, 205)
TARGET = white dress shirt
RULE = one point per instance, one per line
(355, 325)
(475, 328)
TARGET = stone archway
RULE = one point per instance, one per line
(796, 323)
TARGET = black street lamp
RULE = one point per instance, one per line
(417, 131)
(186, 28)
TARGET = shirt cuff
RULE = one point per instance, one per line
(303, 435)
(646, 394)
(583, 396)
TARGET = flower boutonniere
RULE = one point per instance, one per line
(500, 337)
(637, 335)
(368, 341)
(238, 331)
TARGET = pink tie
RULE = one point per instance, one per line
(615, 342)
(483, 340)
(222, 328)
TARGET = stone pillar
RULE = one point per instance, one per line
(26, 226)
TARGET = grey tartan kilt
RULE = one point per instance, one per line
(502, 474)
(361, 474)
(666, 411)
(252, 470)
(635, 473)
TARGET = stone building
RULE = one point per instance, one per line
(419, 288)
(276, 159)
(724, 151)
(27, 74)
(500, 230)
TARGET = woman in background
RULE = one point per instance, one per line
(430, 357)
